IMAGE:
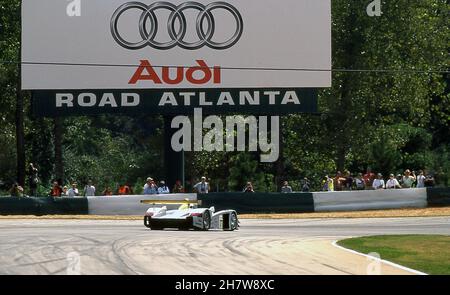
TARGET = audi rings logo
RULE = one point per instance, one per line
(205, 31)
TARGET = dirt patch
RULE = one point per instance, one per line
(425, 212)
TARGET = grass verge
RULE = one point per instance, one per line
(426, 253)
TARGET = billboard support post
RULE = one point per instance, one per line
(173, 161)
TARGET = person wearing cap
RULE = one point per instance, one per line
(163, 189)
(378, 183)
(202, 187)
(73, 191)
(286, 188)
(408, 179)
(392, 182)
(150, 187)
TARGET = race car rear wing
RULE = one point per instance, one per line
(173, 202)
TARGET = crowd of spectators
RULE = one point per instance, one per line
(372, 181)
(340, 182)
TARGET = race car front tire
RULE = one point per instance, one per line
(206, 220)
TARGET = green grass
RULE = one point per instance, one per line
(426, 253)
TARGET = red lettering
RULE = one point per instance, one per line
(166, 76)
(198, 75)
(150, 76)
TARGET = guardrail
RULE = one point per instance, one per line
(260, 202)
(43, 206)
(241, 202)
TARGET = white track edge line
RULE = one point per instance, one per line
(334, 243)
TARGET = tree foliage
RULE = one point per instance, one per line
(387, 120)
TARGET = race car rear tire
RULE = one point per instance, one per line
(156, 228)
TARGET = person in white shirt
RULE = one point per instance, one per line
(202, 187)
(378, 183)
(73, 191)
(408, 179)
(392, 182)
(89, 189)
(163, 189)
(420, 179)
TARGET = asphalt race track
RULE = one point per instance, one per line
(259, 247)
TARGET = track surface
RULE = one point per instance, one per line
(259, 247)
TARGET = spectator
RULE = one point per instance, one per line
(124, 190)
(378, 183)
(429, 181)
(150, 187)
(359, 182)
(369, 177)
(327, 184)
(178, 188)
(89, 189)
(420, 179)
(408, 179)
(392, 182)
(130, 189)
(348, 183)
(107, 191)
(400, 179)
(56, 190)
(65, 189)
(338, 181)
(33, 179)
(286, 188)
(202, 187)
(16, 190)
(163, 189)
(306, 185)
(73, 191)
(249, 188)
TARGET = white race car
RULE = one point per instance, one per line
(188, 216)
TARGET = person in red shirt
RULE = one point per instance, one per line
(124, 190)
(368, 178)
(178, 188)
(56, 190)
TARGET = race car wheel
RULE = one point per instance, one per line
(233, 221)
(156, 228)
(206, 220)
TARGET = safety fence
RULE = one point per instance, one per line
(241, 202)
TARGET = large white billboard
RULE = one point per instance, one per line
(145, 44)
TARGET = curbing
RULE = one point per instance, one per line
(335, 244)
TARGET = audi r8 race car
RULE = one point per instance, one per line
(188, 216)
